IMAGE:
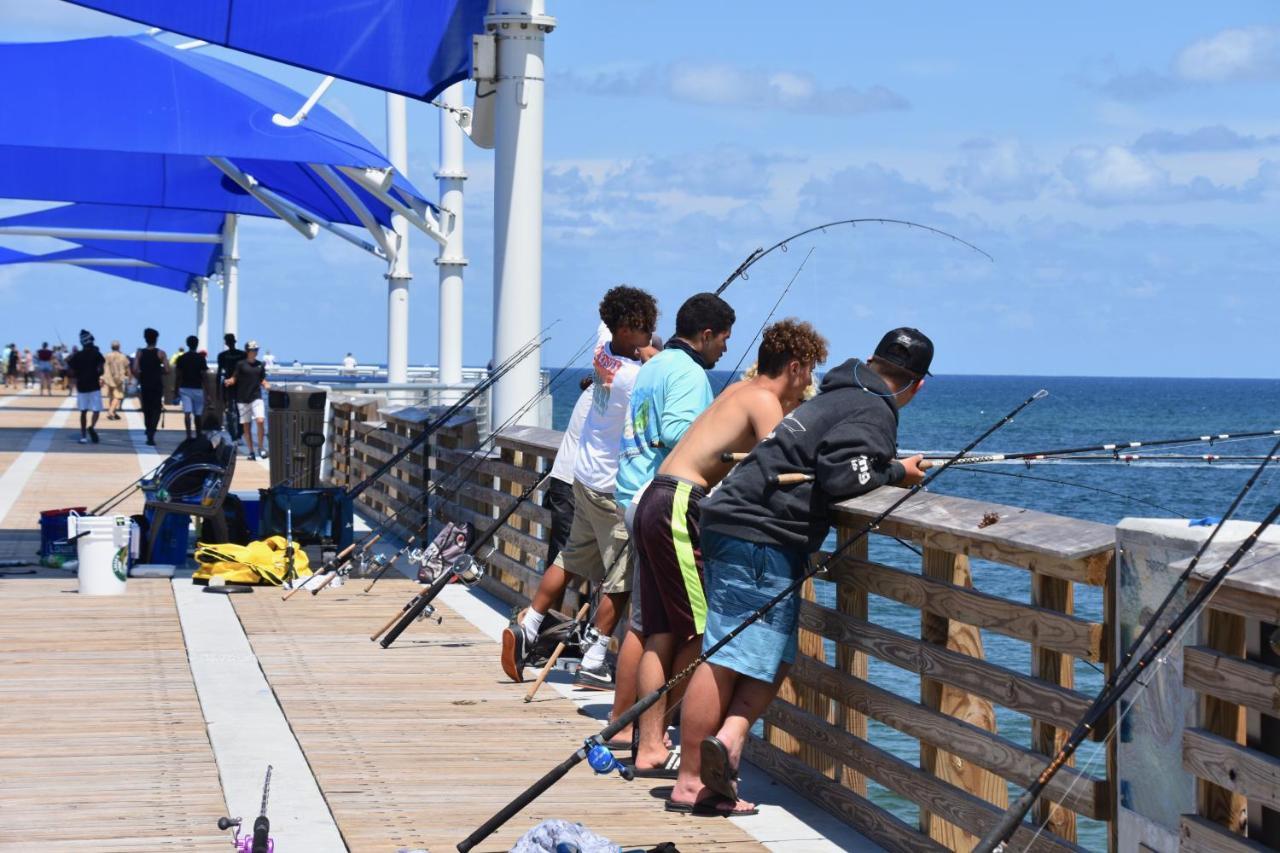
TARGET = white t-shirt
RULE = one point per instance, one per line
(597, 463)
(567, 455)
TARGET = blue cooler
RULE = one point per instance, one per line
(251, 504)
(171, 542)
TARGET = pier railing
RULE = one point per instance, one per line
(1233, 750)
(976, 723)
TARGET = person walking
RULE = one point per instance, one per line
(191, 368)
(227, 361)
(28, 368)
(115, 377)
(150, 365)
(11, 367)
(44, 369)
(249, 380)
(85, 367)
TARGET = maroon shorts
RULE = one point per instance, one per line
(667, 547)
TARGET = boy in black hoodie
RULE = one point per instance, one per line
(757, 536)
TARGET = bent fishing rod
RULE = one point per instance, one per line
(1114, 448)
(1127, 672)
(467, 569)
(645, 702)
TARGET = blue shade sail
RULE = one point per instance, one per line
(191, 258)
(415, 47)
(132, 121)
(164, 277)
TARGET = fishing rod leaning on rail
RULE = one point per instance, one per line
(1127, 671)
(341, 559)
(466, 569)
(591, 745)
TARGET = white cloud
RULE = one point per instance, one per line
(1244, 53)
(1113, 175)
(999, 170)
(722, 84)
(1214, 138)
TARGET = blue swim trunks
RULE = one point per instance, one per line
(740, 577)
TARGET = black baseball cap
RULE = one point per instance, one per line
(907, 348)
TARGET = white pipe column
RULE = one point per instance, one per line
(398, 275)
(521, 27)
(231, 276)
(452, 260)
(200, 290)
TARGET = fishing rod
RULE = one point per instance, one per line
(469, 464)
(998, 836)
(1075, 485)
(260, 841)
(480, 388)
(123, 494)
(758, 254)
(644, 703)
(1113, 448)
(767, 318)
(466, 568)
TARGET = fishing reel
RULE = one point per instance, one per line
(243, 843)
(603, 762)
(468, 570)
(587, 634)
(429, 613)
(417, 557)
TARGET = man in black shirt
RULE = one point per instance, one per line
(757, 534)
(150, 365)
(86, 367)
(227, 361)
(249, 380)
(191, 367)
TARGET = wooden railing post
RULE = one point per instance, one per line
(1057, 594)
(1224, 632)
(954, 569)
(810, 645)
(852, 601)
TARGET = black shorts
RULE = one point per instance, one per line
(559, 499)
(668, 547)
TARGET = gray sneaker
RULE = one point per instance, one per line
(594, 678)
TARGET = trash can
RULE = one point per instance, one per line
(296, 427)
(102, 544)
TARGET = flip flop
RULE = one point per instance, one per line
(670, 768)
(710, 807)
(717, 773)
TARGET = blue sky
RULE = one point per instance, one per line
(1121, 163)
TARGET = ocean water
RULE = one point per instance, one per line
(952, 410)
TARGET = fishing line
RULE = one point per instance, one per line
(747, 351)
(1098, 489)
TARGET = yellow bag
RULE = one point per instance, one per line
(263, 562)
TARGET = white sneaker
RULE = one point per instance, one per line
(84, 439)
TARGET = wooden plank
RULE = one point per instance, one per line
(1244, 771)
(953, 570)
(1037, 625)
(1054, 594)
(1255, 575)
(875, 823)
(1199, 835)
(955, 805)
(1024, 694)
(483, 464)
(1241, 602)
(1063, 547)
(1224, 632)
(1076, 791)
(1232, 679)
(529, 439)
(851, 601)
(810, 646)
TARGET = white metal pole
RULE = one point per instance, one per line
(452, 258)
(398, 275)
(231, 275)
(520, 27)
(201, 292)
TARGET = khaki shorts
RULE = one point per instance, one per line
(596, 539)
(113, 392)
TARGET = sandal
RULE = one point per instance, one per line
(717, 773)
(670, 768)
(711, 807)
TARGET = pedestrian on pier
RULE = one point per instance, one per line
(191, 368)
(114, 379)
(150, 365)
(11, 366)
(227, 361)
(85, 367)
(28, 368)
(249, 381)
(44, 369)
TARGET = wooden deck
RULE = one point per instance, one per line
(103, 745)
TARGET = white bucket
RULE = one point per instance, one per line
(103, 550)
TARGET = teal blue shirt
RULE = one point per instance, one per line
(671, 390)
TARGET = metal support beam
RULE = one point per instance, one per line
(200, 292)
(377, 183)
(520, 27)
(231, 276)
(344, 191)
(452, 260)
(110, 261)
(108, 234)
(398, 274)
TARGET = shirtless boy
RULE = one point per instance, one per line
(666, 517)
